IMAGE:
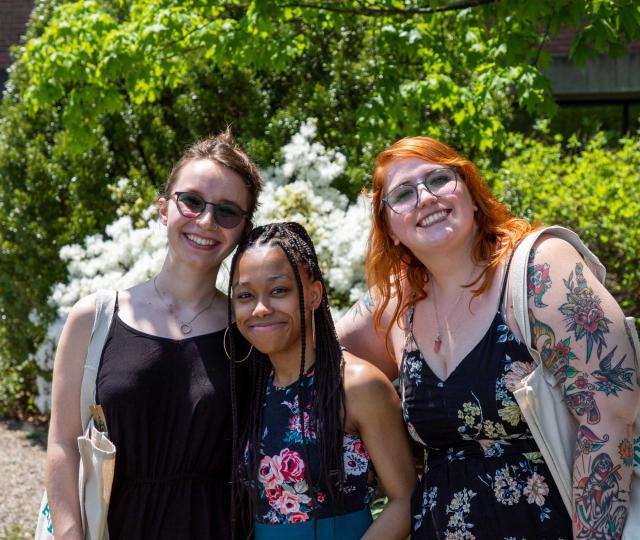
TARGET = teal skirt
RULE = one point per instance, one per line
(345, 527)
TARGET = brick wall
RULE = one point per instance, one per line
(13, 19)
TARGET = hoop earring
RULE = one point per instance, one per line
(313, 328)
(224, 345)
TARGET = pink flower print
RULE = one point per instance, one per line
(273, 494)
(288, 502)
(320, 497)
(270, 472)
(354, 464)
(359, 449)
(291, 465)
(294, 425)
(297, 517)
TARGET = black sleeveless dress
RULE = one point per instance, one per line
(484, 475)
(168, 409)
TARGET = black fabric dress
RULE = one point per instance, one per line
(484, 476)
(168, 409)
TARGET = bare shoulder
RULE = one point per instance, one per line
(83, 313)
(553, 248)
(363, 379)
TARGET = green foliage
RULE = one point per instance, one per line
(590, 188)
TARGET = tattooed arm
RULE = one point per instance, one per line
(578, 328)
(357, 333)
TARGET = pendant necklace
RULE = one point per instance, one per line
(437, 343)
(185, 326)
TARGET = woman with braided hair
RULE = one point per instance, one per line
(321, 420)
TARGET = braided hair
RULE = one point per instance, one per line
(328, 400)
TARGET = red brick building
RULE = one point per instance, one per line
(14, 15)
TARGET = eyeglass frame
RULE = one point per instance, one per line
(177, 194)
(421, 182)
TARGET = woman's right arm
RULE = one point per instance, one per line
(356, 331)
(61, 471)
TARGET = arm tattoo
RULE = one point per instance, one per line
(600, 510)
(538, 280)
(600, 494)
(583, 312)
(364, 304)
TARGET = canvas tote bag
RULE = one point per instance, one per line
(540, 397)
(97, 452)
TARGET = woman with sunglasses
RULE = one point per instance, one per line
(164, 379)
(440, 316)
(321, 421)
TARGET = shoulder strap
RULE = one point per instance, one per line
(518, 275)
(105, 306)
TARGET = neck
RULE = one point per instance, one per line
(186, 286)
(451, 268)
(286, 369)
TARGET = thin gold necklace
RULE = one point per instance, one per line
(185, 326)
(437, 343)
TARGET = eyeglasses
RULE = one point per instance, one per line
(192, 205)
(404, 198)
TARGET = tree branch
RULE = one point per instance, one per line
(456, 5)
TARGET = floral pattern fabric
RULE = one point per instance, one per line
(284, 494)
(484, 475)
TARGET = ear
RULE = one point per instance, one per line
(163, 208)
(315, 294)
(394, 239)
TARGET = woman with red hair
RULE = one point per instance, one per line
(439, 315)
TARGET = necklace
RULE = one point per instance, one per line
(437, 343)
(185, 326)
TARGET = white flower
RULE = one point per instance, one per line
(536, 489)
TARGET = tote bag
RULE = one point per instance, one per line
(97, 452)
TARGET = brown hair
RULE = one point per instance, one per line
(222, 149)
(393, 271)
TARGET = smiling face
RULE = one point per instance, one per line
(200, 242)
(437, 222)
(266, 303)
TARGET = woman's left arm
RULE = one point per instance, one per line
(373, 411)
(579, 330)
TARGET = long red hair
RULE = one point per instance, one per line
(393, 271)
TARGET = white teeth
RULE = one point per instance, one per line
(200, 241)
(432, 218)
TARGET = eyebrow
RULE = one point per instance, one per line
(270, 278)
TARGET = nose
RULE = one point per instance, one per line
(425, 197)
(206, 220)
(261, 308)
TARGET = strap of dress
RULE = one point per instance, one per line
(408, 336)
(505, 279)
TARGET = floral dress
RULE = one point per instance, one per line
(484, 476)
(284, 495)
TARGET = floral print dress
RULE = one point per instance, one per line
(284, 494)
(484, 476)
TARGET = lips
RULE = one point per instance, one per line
(434, 217)
(266, 326)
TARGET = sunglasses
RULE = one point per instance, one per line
(192, 205)
(405, 197)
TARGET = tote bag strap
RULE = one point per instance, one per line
(518, 278)
(105, 307)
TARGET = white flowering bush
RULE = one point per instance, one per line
(299, 189)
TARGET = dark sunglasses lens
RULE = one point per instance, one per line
(190, 204)
(227, 215)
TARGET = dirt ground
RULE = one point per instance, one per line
(22, 454)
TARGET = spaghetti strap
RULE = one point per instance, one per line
(505, 278)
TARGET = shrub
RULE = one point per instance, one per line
(589, 187)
